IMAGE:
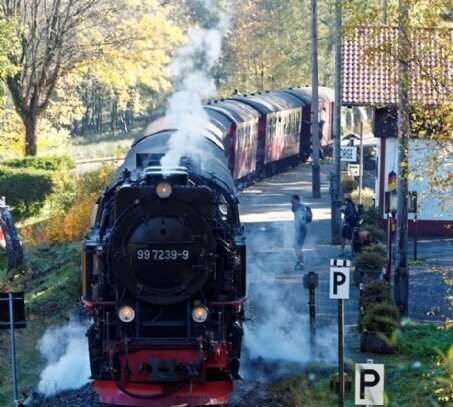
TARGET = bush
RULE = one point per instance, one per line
(370, 262)
(367, 197)
(376, 248)
(348, 185)
(49, 163)
(29, 183)
(373, 292)
(75, 222)
(382, 317)
(26, 189)
(73, 225)
(370, 216)
(94, 182)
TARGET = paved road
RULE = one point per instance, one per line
(277, 334)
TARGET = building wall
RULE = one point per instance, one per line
(435, 209)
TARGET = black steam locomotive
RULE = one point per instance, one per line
(164, 277)
(164, 264)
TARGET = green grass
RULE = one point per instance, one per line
(102, 145)
(418, 376)
(51, 282)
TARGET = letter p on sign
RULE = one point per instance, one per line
(339, 283)
(369, 384)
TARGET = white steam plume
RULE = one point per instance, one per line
(190, 70)
(276, 336)
(66, 351)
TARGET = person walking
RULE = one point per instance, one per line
(349, 223)
(302, 216)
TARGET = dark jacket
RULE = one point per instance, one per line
(350, 214)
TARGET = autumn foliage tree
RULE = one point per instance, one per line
(125, 41)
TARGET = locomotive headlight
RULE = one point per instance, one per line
(163, 190)
(223, 209)
(126, 313)
(200, 314)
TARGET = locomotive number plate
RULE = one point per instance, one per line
(162, 255)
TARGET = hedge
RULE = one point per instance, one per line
(48, 163)
(26, 189)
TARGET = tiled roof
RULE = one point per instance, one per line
(370, 69)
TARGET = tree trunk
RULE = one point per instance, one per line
(13, 247)
(30, 121)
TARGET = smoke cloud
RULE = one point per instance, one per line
(277, 333)
(66, 352)
(191, 73)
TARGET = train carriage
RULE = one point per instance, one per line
(325, 117)
(243, 137)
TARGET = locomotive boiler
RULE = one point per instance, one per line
(164, 277)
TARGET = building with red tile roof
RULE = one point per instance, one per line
(370, 66)
(370, 78)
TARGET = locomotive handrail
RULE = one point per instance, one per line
(91, 304)
(157, 169)
(233, 303)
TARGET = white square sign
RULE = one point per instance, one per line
(354, 170)
(369, 384)
(339, 283)
(348, 154)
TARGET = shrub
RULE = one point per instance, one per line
(370, 262)
(374, 292)
(73, 225)
(382, 317)
(25, 189)
(367, 197)
(376, 248)
(29, 183)
(94, 182)
(348, 185)
(49, 163)
(75, 222)
(370, 216)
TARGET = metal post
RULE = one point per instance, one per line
(315, 142)
(415, 235)
(312, 311)
(389, 247)
(361, 159)
(341, 353)
(13, 347)
(311, 282)
(335, 205)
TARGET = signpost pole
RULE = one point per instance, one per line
(415, 236)
(13, 347)
(339, 290)
(341, 352)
